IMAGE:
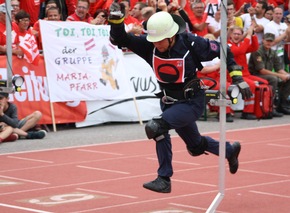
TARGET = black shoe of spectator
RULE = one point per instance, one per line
(283, 110)
(158, 185)
(275, 113)
(36, 134)
(248, 116)
(233, 159)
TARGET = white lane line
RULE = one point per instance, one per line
(278, 145)
(193, 207)
(105, 170)
(106, 193)
(186, 163)
(30, 159)
(155, 159)
(4, 183)
(250, 142)
(192, 182)
(265, 159)
(24, 180)
(259, 127)
(94, 151)
(270, 194)
(259, 184)
(264, 173)
(22, 208)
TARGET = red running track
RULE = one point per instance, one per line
(108, 178)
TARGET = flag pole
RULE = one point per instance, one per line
(137, 110)
(52, 116)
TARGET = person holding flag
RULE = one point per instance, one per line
(25, 38)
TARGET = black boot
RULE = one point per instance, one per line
(284, 106)
(248, 116)
(277, 114)
(284, 110)
(158, 185)
(233, 159)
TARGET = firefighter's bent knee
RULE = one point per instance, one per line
(156, 128)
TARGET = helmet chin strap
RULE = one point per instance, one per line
(170, 42)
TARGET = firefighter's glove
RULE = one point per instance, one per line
(116, 13)
(237, 79)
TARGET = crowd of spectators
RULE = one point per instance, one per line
(247, 22)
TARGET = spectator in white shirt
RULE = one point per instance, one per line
(278, 28)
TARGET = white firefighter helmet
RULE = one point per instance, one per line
(163, 25)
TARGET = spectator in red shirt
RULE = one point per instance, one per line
(240, 47)
(52, 14)
(25, 38)
(36, 27)
(198, 19)
(81, 13)
(3, 33)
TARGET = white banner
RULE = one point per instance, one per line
(143, 83)
(81, 63)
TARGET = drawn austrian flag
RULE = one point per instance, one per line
(89, 44)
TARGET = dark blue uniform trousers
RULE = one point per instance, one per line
(182, 117)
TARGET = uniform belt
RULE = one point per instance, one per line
(178, 95)
(187, 93)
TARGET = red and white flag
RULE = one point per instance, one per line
(29, 47)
